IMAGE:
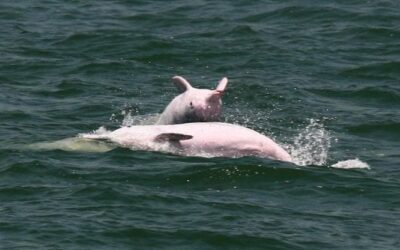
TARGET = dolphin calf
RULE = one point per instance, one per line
(193, 104)
(212, 139)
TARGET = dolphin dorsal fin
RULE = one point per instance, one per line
(172, 137)
(181, 83)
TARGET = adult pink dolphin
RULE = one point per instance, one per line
(196, 139)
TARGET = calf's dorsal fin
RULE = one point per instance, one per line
(172, 137)
(181, 83)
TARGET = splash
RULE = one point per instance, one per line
(351, 164)
(129, 116)
(135, 119)
(100, 131)
(311, 146)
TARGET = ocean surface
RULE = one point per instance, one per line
(322, 78)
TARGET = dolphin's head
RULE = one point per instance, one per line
(203, 105)
(193, 104)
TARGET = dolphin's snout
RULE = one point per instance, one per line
(208, 112)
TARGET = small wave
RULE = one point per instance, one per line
(37, 52)
(78, 37)
(15, 115)
(157, 44)
(372, 33)
(386, 70)
(299, 12)
(388, 130)
(67, 88)
(384, 94)
(351, 164)
(243, 30)
(101, 66)
(164, 18)
(159, 57)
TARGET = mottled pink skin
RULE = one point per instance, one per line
(193, 104)
(208, 139)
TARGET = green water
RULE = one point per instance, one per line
(320, 77)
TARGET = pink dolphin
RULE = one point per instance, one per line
(193, 104)
(214, 139)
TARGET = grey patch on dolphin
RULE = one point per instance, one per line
(172, 137)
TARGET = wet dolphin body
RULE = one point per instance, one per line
(214, 139)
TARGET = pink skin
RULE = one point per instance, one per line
(193, 104)
(210, 139)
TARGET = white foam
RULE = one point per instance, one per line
(351, 164)
(101, 131)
